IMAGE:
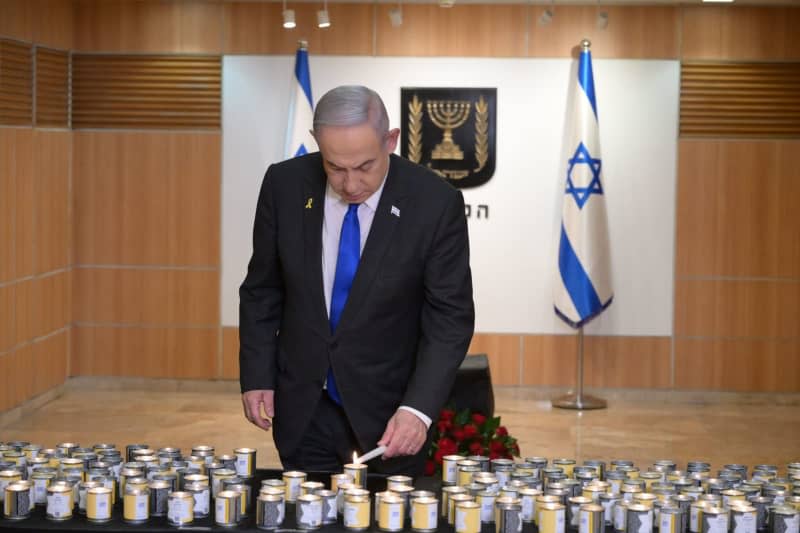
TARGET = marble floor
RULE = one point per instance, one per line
(643, 427)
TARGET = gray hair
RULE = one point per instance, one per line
(351, 105)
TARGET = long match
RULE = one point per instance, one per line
(370, 455)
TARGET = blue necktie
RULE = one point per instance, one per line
(346, 266)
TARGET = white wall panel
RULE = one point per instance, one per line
(514, 251)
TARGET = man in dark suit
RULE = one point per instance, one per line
(357, 308)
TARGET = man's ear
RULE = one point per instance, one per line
(391, 139)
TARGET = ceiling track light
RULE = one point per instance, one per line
(323, 19)
(396, 16)
(288, 17)
(546, 17)
(602, 20)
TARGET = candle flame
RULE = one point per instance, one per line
(355, 458)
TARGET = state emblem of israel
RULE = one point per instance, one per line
(450, 131)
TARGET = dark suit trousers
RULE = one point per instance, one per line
(329, 443)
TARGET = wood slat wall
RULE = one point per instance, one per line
(52, 87)
(715, 243)
(146, 91)
(146, 283)
(35, 288)
(740, 99)
(16, 82)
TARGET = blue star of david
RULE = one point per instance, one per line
(582, 194)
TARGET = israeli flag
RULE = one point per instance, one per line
(301, 109)
(583, 285)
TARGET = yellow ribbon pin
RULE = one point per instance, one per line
(309, 203)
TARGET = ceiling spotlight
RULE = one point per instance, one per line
(546, 17)
(447, 3)
(288, 19)
(602, 20)
(323, 20)
(396, 16)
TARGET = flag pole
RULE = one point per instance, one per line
(578, 400)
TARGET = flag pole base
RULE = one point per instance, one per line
(574, 401)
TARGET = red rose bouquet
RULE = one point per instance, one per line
(466, 433)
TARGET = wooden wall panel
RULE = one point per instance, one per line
(627, 362)
(146, 91)
(200, 27)
(135, 296)
(42, 306)
(549, 360)
(160, 189)
(21, 367)
(496, 30)
(17, 19)
(743, 99)
(256, 28)
(650, 32)
(53, 23)
(25, 198)
(16, 82)
(52, 306)
(8, 204)
(6, 389)
(8, 332)
(736, 213)
(52, 227)
(181, 26)
(740, 33)
(743, 365)
(180, 353)
(504, 356)
(230, 353)
(52, 88)
(737, 308)
(47, 22)
(50, 362)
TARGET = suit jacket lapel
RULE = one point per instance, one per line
(313, 211)
(380, 235)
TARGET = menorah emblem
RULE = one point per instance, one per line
(448, 115)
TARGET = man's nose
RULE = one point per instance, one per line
(350, 184)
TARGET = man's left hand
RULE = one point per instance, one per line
(405, 435)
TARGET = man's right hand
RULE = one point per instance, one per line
(253, 401)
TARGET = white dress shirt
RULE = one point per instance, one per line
(335, 210)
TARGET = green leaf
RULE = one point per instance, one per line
(462, 418)
(492, 424)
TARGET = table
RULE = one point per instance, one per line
(37, 522)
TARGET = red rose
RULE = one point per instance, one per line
(494, 455)
(447, 414)
(447, 446)
(444, 425)
(430, 467)
(478, 418)
(476, 449)
(497, 446)
(439, 455)
(502, 431)
(458, 434)
(470, 431)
